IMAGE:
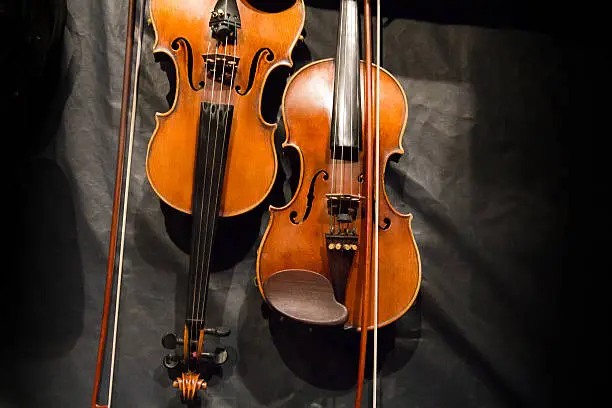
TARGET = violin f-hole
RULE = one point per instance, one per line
(310, 197)
(176, 47)
(387, 224)
(254, 64)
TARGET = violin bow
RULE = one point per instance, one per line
(377, 176)
(373, 187)
(121, 168)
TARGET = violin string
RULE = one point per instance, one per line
(341, 162)
(202, 290)
(231, 87)
(360, 134)
(335, 125)
(333, 177)
(208, 238)
(199, 271)
(125, 205)
(229, 98)
(377, 205)
(352, 112)
(198, 235)
(225, 134)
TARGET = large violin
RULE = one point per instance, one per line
(339, 235)
(212, 154)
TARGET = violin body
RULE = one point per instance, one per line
(294, 247)
(212, 154)
(264, 42)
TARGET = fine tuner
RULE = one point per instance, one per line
(170, 341)
(217, 357)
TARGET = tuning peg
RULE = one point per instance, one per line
(169, 341)
(218, 331)
(219, 356)
(171, 361)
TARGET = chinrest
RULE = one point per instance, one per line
(304, 296)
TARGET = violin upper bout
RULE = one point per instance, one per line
(267, 46)
(279, 31)
(393, 115)
(294, 18)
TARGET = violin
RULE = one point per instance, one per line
(212, 154)
(339, 236)
(223, 51)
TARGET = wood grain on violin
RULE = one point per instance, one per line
(262, 42)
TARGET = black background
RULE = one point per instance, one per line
(504, 172)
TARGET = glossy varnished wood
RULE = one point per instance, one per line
(307, 108)
(251, 158)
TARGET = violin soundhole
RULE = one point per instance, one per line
(176, 47)
(386, 226)
(311, 197)
(269, 57)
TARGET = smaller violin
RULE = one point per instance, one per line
(339, 254)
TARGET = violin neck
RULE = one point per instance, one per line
(211, 152)
(346, 114)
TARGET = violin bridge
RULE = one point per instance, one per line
(221, 67)
(189, 384)
(343, 208)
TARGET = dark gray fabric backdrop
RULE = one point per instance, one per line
(482, 174)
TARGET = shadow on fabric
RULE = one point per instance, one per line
(506, 15)
(519, 208)
(326, 358)
(45, 308)
(49, 294)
